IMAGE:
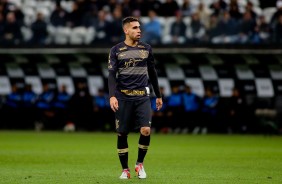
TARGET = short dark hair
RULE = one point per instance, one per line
(128, 20)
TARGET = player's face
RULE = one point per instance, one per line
(133, 31)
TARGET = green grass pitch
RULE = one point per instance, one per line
(84, 157)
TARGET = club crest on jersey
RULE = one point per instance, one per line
(143, 54)
(123, 48)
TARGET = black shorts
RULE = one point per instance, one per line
(132, 115)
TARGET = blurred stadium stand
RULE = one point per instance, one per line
(80, 26)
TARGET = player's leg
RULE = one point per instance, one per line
(122, 147)
(143, 118)
(123, 118)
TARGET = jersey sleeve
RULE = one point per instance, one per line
(151, 59)
(153, 73)
(112, 68)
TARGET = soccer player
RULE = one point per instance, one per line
(131, 72)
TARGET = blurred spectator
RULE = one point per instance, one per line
(196, 31)
(175, 109)
(250, 8)
(45, 114)
(227, 30)
(277, 32)
(116, 35)
(81, 107)
(263, 29)
(247, 29)
(74, 18)
(208, 112)
(152, 30)
(90, 18)
(212, 30)
(187, 8)
(2, 24)
(102, 26)
(234, 11)
(12, 109)
(204, 14)
(236, 122)
(19, 15)
(39, 30)
(58, 16)
(169, 8)
(5, 7)
(159, 119)
(103, 114)
(191, 103)
(139, 5)
(154, 5)
(12, 31)
(178, 30)
(218, 6)
(29, 98)
(61, 107)
(276, 14)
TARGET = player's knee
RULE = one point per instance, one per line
(145, 131)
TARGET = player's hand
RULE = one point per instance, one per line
(159, 103)
(114, 103)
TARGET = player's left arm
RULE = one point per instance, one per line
(153, 76)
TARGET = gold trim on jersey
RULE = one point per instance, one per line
(133, 92)
(123, 48)
(140, 46)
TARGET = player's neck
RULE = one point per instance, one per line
(131, 43)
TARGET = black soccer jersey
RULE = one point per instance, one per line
(130, 66)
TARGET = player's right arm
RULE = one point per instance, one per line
(112, 68)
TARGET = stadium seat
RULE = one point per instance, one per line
(29, 15)
(264, 87)
(89, 35)
(14, 70)
(62, 35)
(225, 87)
(196, 85)
(45, 70)
(208, 72)
(67, 81)
(5, 85)
(174, 72)
(268, 12)
(76, 70)
(95, 83)
(77, 35)
(27, 33)
(163, 82)
(35, 82)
